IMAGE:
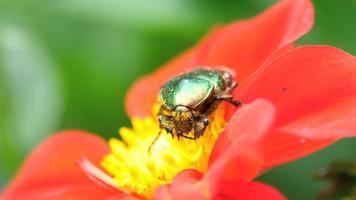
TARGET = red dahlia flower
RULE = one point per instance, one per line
(295, 102)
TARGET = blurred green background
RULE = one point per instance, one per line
(68, 63)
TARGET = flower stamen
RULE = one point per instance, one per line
(140, 171)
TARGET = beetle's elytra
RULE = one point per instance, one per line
(187, 101)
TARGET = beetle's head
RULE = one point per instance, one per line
(183, 119)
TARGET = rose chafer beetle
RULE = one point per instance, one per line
(187, 101)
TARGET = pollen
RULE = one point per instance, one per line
(138, 170)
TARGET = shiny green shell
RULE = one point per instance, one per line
(191, 89)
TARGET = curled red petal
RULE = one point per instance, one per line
(190, 184)
(313, 89)
(52, 170)
(235, 154)
(247, 191)
(243, 46)
(163, 192)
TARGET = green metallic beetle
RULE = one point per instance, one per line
(187, 101)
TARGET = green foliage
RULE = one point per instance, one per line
(68, 64)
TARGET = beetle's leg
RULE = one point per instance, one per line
(232, 87)
(229, 99)
(169, 130)
(178, 135)
(187, 137)
(166, 123)
(200, 126)
(171, 133)
(154, 141)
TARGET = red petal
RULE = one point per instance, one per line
(245, 45)
(247, 191)
(189, 185)
(163, 192)
(280, 147)
(234, 155)
(333, 122)
(143, 94)
(242, 45)
(122, 196)
(52, 170)
(314, 90)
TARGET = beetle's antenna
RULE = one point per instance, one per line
(154, 141)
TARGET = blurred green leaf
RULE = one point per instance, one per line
(334, 25)
(178, 17)
(160, 15)
(32, 105)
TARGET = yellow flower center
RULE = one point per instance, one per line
(137, 170)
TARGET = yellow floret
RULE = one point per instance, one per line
(140, 171)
